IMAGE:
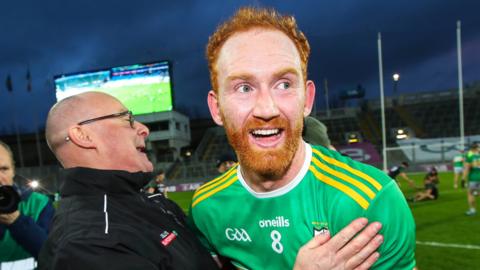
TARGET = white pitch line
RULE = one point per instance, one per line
(436, 244)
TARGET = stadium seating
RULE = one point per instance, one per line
(428, 114)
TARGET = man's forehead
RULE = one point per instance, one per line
(241, 53)
(102, 103)
(4, 156)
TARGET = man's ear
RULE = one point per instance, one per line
(309, 98)
(214, 107)
(81, 137)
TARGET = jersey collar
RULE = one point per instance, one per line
(288, 187)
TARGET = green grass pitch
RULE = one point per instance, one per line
(143, 98)
(438, 222)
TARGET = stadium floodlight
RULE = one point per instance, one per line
(395, 77)
(34, 184)
(353, 137)
(402, 133)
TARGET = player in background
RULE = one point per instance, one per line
(433, 174)
(457, 161)
(471, 175)
(399, 170)
(157, 185)
(431, 190)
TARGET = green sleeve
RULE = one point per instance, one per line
(152, 184)
(398, 228)
(469, 158)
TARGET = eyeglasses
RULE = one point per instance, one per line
(131, 119)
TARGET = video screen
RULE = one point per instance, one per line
(142, 88)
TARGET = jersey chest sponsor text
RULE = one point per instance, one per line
(278, 221)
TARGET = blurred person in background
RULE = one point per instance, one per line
(23, 227)
(399, 170)
(315, 132)
(225, 162)
(458, 161)
(471, 175)
(433, 174)
(430, 189)
(157, 185)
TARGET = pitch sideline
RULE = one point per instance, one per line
(437, 244)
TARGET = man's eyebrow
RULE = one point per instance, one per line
(239, 76)
(284, 71)
(248, 77)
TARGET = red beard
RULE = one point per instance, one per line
(270, 164)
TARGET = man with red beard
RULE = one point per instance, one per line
(264, 212)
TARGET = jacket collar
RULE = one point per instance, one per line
(88, 181)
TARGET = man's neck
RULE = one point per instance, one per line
(259, 183)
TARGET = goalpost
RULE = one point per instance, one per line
(410, 152)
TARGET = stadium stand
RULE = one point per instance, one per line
(340, 122)
(428, 114)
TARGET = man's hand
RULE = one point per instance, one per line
(8, 219)
(346, 250)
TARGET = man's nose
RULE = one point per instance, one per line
(142, 130)
(265, 105)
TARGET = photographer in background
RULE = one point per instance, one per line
(23, 225)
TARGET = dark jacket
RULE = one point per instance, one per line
(104, 222)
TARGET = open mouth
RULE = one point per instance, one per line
(141, 149)
(266, 133)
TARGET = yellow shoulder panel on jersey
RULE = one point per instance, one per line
(353, 171)
(342, 187)
(218, 179)
(215, 186)
(344, 177)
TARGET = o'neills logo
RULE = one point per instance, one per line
(279, 221)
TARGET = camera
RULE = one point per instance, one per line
(9, 199)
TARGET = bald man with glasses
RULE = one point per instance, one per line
(103, 221)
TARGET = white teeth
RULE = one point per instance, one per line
(266, 132)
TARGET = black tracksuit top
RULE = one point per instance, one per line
(104, 222)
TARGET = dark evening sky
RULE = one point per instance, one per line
(56, 37)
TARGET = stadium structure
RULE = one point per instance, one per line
(422, 129)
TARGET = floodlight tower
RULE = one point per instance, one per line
(396, 77)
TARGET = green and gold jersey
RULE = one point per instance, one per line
(458, 160)
(473, 159)
(266, 230)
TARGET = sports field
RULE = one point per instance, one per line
(143, 98)
(446, 238)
